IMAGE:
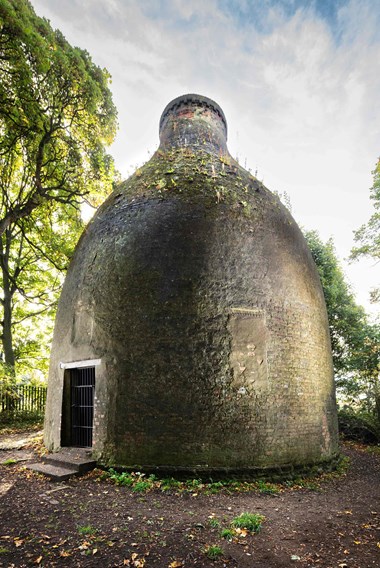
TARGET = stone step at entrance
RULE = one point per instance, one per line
(64, 464)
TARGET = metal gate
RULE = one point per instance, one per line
(82, 406)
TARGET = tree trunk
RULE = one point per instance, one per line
(6, 336)
(7, 339)
(377, 398)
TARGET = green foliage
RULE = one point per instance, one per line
(136, 481)
(362, 386)
(215, 487)
(228, 534)
(9, 461)
(301, 483)
(7, 379)
(368, 236)
(214, 523)
(346, 318)
(250, 521)
(193, 484)
(3, 550)
(123, 478)
(87, 530)
(56, 116)
(140, 483)
(21, 420)
(170, 483)
(214, 552)
(355, 342)
(359, 426)
(267, 488)
(142, 486)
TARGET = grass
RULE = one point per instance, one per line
(142, 486)
(213, 552)
(228, 534)
(300, 483)
(9, 461)
(250, 521)
(87, 530)
(373, 449)
(214, 523)
(136, 481)
(141, 483)
(193, 484)
(267, 488)
(3, 550)
(169, 483)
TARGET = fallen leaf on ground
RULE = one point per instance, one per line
(241, 532)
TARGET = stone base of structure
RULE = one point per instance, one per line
(279, 473)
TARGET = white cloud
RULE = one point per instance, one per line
(300, 97)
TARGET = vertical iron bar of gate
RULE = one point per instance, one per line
(82, 393)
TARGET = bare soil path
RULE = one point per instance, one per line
(93, 523)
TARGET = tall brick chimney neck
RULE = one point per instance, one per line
(190, 108)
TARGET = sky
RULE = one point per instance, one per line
(298, 81)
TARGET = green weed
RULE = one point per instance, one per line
(3, 550)
(87, 530)
(228, 534)
(170, 483)
(9, 461)
(142, 486)
(250, 521)
(213, 552)
(192, 484)
(373, 449)
(267, 488)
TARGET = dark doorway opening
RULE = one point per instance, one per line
(78, 411)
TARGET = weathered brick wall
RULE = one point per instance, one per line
(196, 289)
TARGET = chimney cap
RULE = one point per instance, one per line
(192, 98)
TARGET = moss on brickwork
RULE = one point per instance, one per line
(196, 289)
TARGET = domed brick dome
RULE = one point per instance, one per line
(192, 331)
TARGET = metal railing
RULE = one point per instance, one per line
(23, 400)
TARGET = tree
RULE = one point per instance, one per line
(34, 255)
(346, 318)
(365, 382)
(368, 236)
(355, 341)
(56, 117)
(56, 114)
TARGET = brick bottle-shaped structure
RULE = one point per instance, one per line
(192, 331)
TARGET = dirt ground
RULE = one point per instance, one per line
(90, 522)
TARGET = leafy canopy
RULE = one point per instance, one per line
(368, 236)
(346, 318)
(56, 115)
(355, 341)
(56, 118)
